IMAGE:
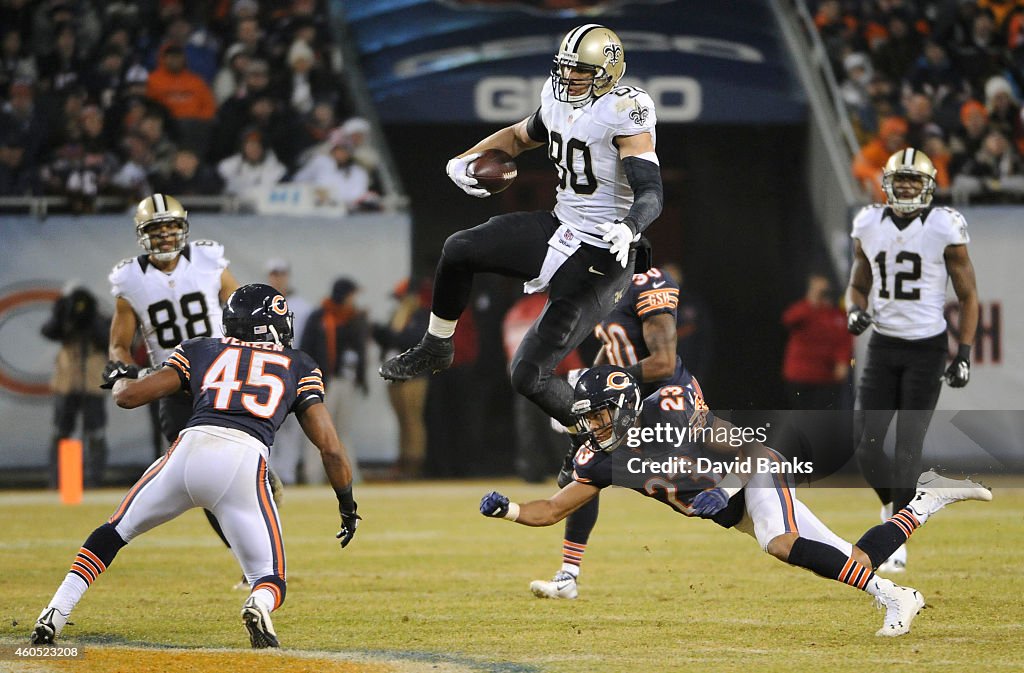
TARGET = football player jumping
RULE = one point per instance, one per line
(172, 292)
(601, 138)
(640, 335)
(761, 503)
(243, 386)
(905, 253)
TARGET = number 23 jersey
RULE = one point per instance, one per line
(250, 387)
(172, 307)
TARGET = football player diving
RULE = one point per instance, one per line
(243, 386)
(600, 136)
(905, 254)
(761, 503)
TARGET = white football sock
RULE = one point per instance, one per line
(69, 593)
(441, 328)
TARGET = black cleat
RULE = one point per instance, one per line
(257, 623)
(430, 355)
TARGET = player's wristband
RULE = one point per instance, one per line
(964, 352)
(346, 503)
(731, 484)
(513, 511)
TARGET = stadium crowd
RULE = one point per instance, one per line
(191, 98)
(942, 76)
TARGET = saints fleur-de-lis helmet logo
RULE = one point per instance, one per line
(613, 53)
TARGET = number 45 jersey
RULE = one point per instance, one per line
(172, 307)
(246, 386)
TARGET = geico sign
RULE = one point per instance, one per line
(508, 99)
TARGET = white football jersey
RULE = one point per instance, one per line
(908, 268)
(592, 187)
(175, 306)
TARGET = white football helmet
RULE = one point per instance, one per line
(592, 49)
(915, 165)
(156, 210)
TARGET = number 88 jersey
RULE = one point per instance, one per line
(172, 307)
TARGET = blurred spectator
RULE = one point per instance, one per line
(966, 140)
(21, 118)
(105, 79)
(336, 336)
(253, 171)
(82, 168)
(938, 151)
(83, 333)
(869, 162)
(15, 62)
(230, 79)
(132, 179)
(307, 80)
(982, 55)
(200, 48)
(919, 118)
(338, 178)
(60, 67)
(539, 448)
(151, 128)
(184, 94)
(249, 34)
(897, 53)
(188, 177)
(16, 179)
(935, 76)
(817, 358)
(317, 127)
(694, 326)
(234, 113)
(1004, 110)
(357, 132)
(408, 398)
(855, 94)
(993, 175)
(290, 443)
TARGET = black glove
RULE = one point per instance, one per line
(959, 371)
(117, 370)
(857, 320)
(349, 518)
(349, 523)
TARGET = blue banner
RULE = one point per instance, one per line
(721, 62)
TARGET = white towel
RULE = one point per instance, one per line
(561, 246)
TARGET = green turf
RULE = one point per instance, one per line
(429, 579)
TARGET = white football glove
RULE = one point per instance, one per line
(458, 170)
(620, 236)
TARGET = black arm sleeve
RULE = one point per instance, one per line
(648, 195)
(535, 128)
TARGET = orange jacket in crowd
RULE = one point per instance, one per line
(184, 93)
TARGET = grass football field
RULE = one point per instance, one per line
(430, 585)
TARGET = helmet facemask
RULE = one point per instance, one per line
(905, 201)
(589, 52)
(150, 236)
(606, 425)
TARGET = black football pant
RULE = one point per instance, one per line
(581, 293)
(905, 376)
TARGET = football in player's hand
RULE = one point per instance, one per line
(494, 170)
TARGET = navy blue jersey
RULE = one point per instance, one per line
(246, 386)
(622, 331)
(664, 457)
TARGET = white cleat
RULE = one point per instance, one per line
(935, 492)
(562, 586)
(257, 622)
(897, 563)
(49, 625)
(901, 606)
